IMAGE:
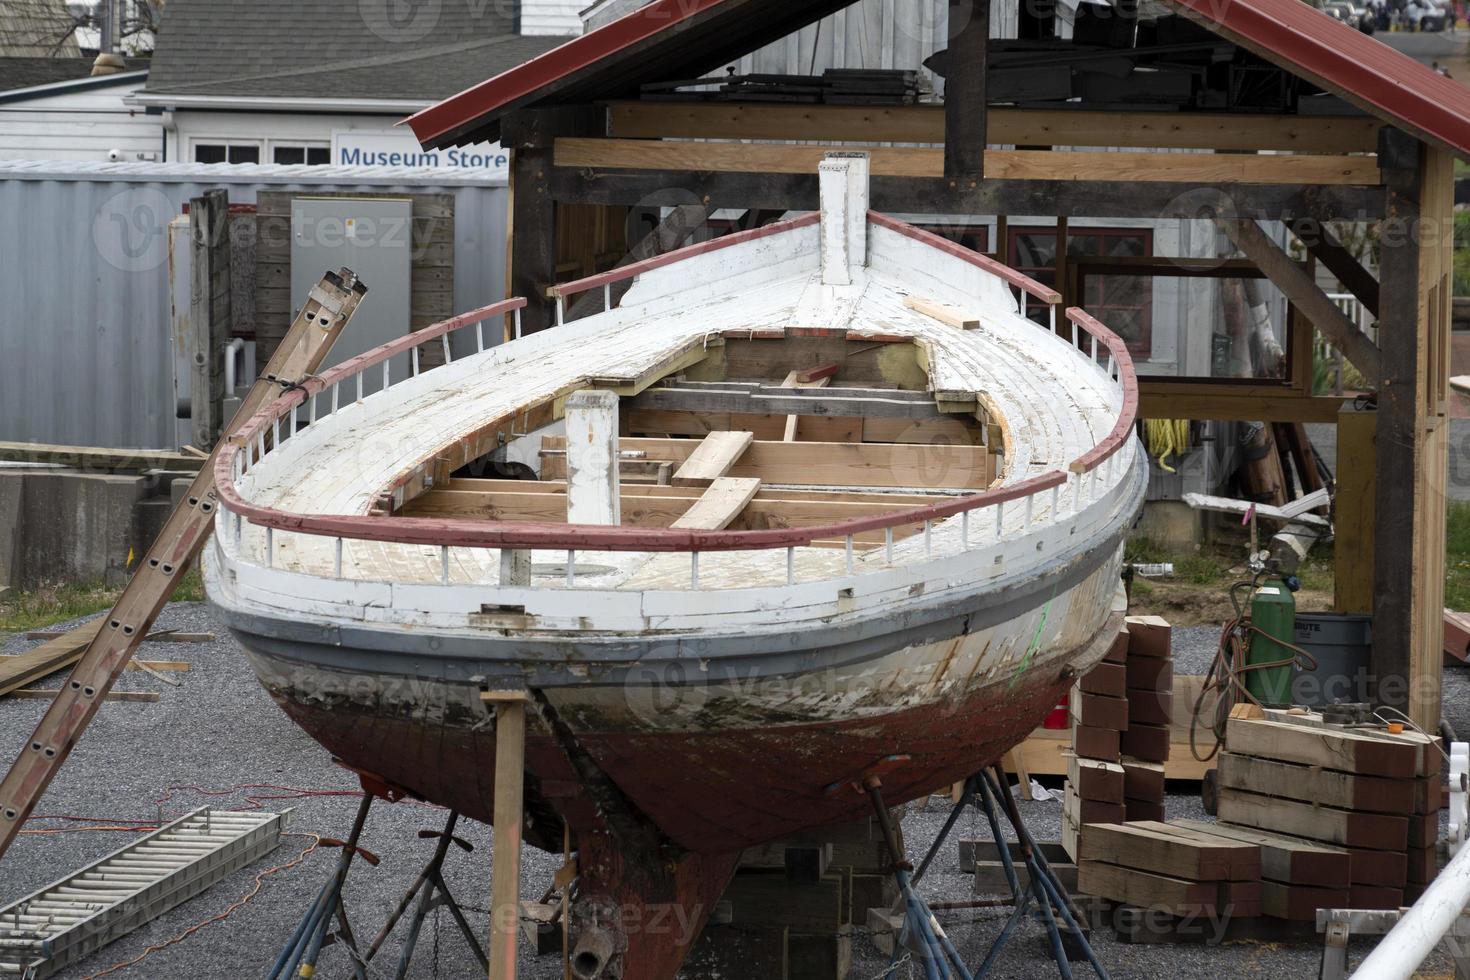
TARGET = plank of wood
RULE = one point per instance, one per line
(712, 458)
(46, 659)
(1299, 903)
(889, 161)
(92, 458)
(1244, 862)
(157, 636)
(835, 464)
(1144, 741)
(157, 665)
(1143, 780)
(722, 502)
(1428, 754)
(1342, 750)
(1022, 127)
(1286, 858)
(1328, 824)
(943, 312)
(1313, 784)
(1094, 779)
(1158, 849)
(1229, 505)
(1173, 896)
(811, 378)
(39, 694)
(1106, 679)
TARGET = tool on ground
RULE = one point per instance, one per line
(321, 320)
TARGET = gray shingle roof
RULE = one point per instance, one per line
(18, 73)
(336, 48)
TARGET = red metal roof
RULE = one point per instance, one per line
(683, 38)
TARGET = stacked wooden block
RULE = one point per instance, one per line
(1170, 868)
(790, 911)
(1372, 795)
(1120, 732)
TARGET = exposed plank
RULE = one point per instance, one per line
(712, 458)
(965, 102)
(1286, 858)
(1323, 245)
(1208, 168)
(482, 485)
(1313, 784)
(39, 694)
(943, 312)
(812, 378)
(157, 636)
(722, 502)
(1428, 755)
(1348, 828)
(1023, 127)
(1243, 857)
(1332, 749)
(1173, 896)
(46, 659)
(1299, 903)
(1177, 855)
(787, 399)
(1177, 400)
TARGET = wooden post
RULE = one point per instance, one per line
(505, 866)
(593, 490)
(1415, 249)
(532, 233)
(1353, 524)
(209, 313)
(964, 89)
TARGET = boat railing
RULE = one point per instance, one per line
(1084, 481)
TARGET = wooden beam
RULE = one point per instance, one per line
(1354, 506)
(39, 694)
(1319, 241)
(1185, 400)
(943, 312)
(722, 502)
(1305, 295)
(1313, 784)
(209, 313)
(510, 777)
(1093, 197)
(712, 458)
(810, 378)
(532, 235)
(831, 463)
(1040, 165)
(46, 659)
(790, 399)
(965, 104)
(1021, 127)
(947, 429)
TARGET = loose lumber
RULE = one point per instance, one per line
(1429, 756)
(1422, 865)
(40, 694)
(1285, 858)
(1375, 897)
(91, 458)
(1152, 847)
(53, 655)
(722, 502)
(1145, 741)
(1142, 780)
(1194, 168)
(943, 312)
(1312, 784)
(1334, 826)
(713, 457)
(1299, 903)
(1107, 679)
(1095, 779)
(1338, 749)
(1098, 710)
(1153, 891)
(154, 665)
(157, 636)
(1376, 867)
(1245, 856)
(1096, 743)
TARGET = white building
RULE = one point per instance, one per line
(320, 82)
(50, 109)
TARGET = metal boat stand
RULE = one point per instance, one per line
(433, 892)
(298, 958)
(986, 792)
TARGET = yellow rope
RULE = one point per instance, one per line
(1167, 437)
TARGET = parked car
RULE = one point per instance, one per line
(1350, 14)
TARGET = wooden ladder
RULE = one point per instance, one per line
(317, 326)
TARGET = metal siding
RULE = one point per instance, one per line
(85, 347)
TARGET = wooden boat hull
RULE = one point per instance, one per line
(713, 772)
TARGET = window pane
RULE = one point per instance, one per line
(244, 154)
(318, 156)
(289, 154)
(209, 153)
(1035, 250)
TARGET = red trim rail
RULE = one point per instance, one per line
(232, 463)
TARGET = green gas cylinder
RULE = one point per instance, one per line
(1273, 612)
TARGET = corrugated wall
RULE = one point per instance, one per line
(85, 348)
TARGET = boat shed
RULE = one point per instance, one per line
(1280, 119)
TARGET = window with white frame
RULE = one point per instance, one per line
(311, 154)
(211, 150)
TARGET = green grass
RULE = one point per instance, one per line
(1200, 570)
(1457, 555)
(52, 604)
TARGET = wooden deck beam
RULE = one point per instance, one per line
(788, 400)
(1021, 127)
(721, 503)
(712, 458)
(1042, 165)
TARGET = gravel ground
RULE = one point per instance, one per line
(219, 741)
